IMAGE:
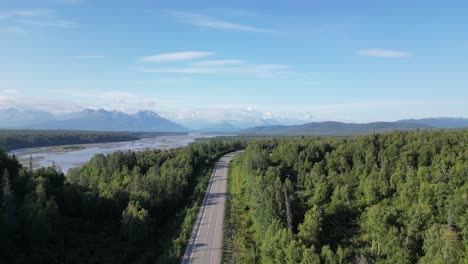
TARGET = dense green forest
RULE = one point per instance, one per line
(18, 139)
(400, 197)
(126, 207)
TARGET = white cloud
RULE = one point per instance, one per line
(5, 101)
(110, 100)
(175, 56)
(267, 115)
(241, 115)
(260, 70)
(217, 63)
(51, 23)
(237, 13)
(26, 13)
(375, 105)
(207, 22)
(27, 20)
(11, 91)
(384, 53)
(37, 103)
(197, 116)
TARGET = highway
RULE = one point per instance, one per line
(206, 241)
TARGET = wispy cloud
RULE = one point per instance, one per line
(89, 57)
(27, 20)
(373, 105)
(237, 12)
(259, 70)
(111, 100)
(37, 103)
(51, 23)
(11, 91)
(384, 53)
(26, 13)
(212, 66)
(208, 22)
(5, 101)
(218, 63)
(175, 56)
(217, 113)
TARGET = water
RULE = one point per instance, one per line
(64, 159)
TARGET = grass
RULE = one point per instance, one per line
(71, 148)
(238, 245)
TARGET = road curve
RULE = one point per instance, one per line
(206, 241)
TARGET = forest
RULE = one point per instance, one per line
(125, 207)
(400, 197)
(18, 139)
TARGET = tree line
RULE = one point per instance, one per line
(19, 139)
(399, 197)
(125, 207)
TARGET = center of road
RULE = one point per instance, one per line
(207, 234)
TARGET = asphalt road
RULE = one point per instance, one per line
(206, 241)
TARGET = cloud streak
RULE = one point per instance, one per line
(207, 22)
(175, 56)
(26, 13)
(11, 91)
(384, 53)
(218, 63)
(259, 70)
(111, 100)
(231, 66)
(51, 23)
(27, 20)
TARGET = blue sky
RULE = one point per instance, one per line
(195, 61)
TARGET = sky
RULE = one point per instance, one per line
(208, 61)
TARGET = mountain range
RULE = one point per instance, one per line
(223, 127)
(440, 122)
(149, 121)
(334, 128)
(97, 120)
(14, 118)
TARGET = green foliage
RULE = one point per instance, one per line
(18, 139)
(383, 198)
(124, 207)
(310, 256)
(135, 222)
(442, 245)
(310, 228)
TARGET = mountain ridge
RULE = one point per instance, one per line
(334, 128)
(223, 127)
(100, 120)
(439, 122)
(150, 121)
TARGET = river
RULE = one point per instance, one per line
(71, 156)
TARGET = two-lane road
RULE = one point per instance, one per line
(206, 241)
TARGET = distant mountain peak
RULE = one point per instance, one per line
(90, 119)
(222, 127)
(439, 122)
(87, 111)
(333, 128)
(11, 109)
(147, 113)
